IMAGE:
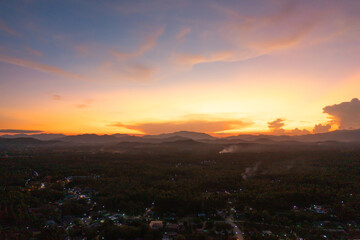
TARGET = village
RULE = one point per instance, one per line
(81, 215)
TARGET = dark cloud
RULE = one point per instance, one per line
(19, 131)
(188, 125)
(276, 128)
(276, 124)
(345, 114)
(298, 131)
(319, 128)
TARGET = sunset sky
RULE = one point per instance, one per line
(149, 67)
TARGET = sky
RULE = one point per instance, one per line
(150, 67)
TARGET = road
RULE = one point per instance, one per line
(236, 228)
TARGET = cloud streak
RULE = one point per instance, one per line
(34, 52)
(182, 34)
(41, 67)
(150, 42)
(192, 59)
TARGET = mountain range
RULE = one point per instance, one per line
(183, 141)
(338, 135)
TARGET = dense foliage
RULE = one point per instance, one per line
(278, 188)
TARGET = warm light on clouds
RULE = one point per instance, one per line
(345, 114)
(187, 125)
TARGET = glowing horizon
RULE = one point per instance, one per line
(229, 68)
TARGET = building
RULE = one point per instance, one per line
(156, 224)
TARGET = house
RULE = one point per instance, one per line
(266, 232)
(172, 227)
(166, 237)
(156, 224)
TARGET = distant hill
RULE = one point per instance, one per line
(23, 142)
(41, 136)
(167, 146)
(184, 134)
(338, 135)
(89, 138)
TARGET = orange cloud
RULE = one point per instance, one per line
(187, 125)
(258, 35)
(283, 41)
(192, 59)
(41, 67)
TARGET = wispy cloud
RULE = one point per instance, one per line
(192, 59)
(150, 42)
(34, 52)
(260, 35)
(183, 33)
(41, 67)
(128, 66)
(283, 41)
